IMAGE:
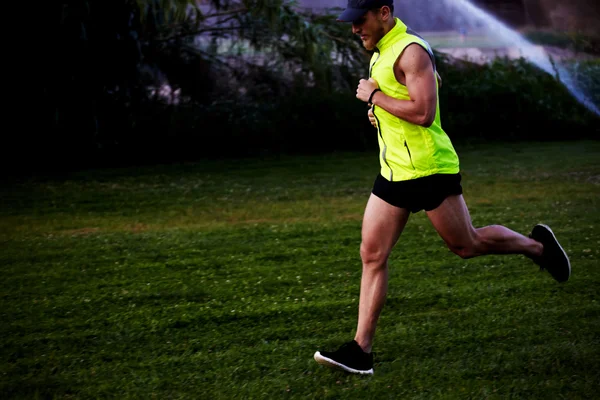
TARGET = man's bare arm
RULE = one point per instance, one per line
(415, 65)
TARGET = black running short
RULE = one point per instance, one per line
(425, 193)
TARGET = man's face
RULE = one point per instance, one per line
(370, 28)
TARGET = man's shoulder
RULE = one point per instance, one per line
(412, 49)
(409, 41)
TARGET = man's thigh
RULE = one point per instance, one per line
(382, 225)
(452, 221)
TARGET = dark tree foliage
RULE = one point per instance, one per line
(123, 82)
(129, 81)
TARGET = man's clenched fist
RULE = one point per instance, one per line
(365, 88)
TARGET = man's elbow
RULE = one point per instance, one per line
(426, 119)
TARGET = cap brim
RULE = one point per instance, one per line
(351, 14)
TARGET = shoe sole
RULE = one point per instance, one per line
(328, 362)
(561, 249)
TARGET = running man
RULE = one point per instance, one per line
(419, 171)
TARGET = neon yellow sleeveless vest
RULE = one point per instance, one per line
(407, 151)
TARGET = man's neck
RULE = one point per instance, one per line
(389, 26)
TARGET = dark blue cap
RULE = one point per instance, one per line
(357, 8)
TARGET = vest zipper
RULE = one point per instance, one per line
(371, 66)
(409, 155)
(378, 124)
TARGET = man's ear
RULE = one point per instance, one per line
(386, 13)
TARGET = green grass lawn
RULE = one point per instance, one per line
(219, 280)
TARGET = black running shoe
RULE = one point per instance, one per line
(350, 357)
(553, 259)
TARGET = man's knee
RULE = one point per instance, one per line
(464, 252)
(372, 255)
(468, 247)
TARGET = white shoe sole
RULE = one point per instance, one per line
(328, 362)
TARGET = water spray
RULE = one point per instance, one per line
(535, 54)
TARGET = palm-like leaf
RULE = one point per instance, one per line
(109, 57)
(286, 38)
